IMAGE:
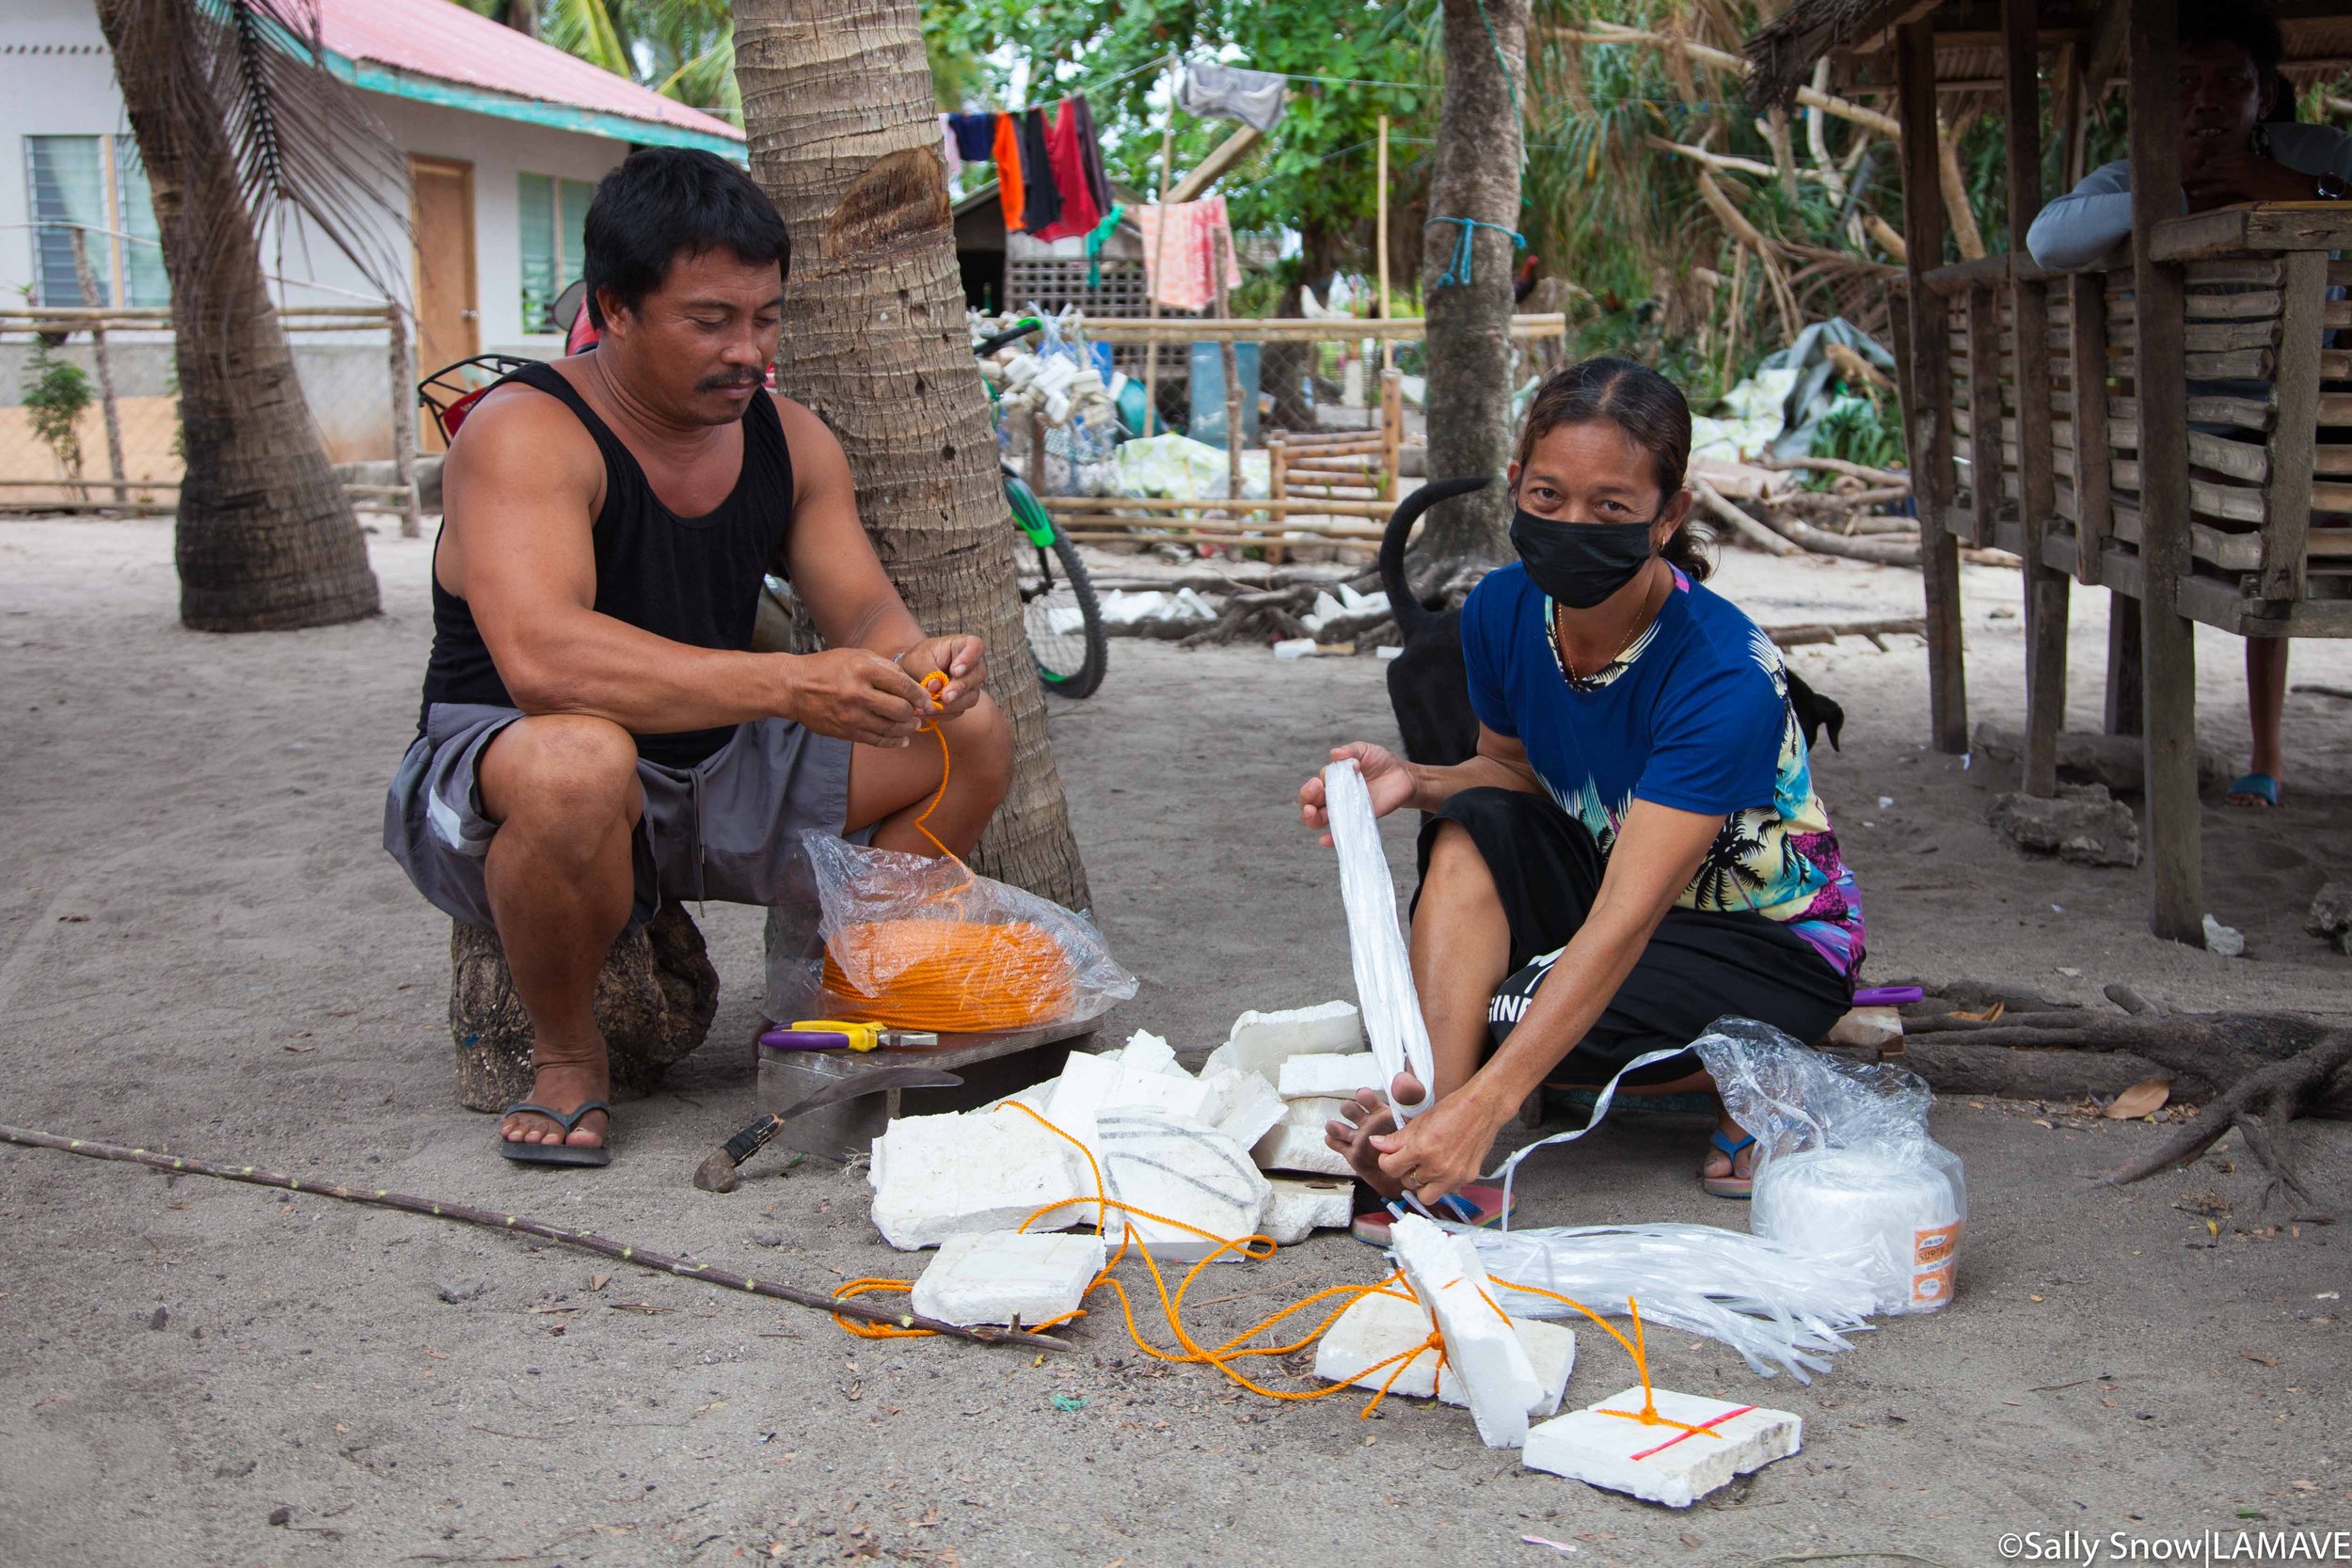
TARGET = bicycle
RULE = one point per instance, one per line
(1063, 619)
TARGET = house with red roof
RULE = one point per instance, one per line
(502, 138)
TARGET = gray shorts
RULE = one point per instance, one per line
(729, 829)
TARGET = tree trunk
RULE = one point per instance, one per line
(843, 128)
(266, 540)
(1475, 175)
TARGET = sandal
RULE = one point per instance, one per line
(2252, 789)
(1477, 1205)
(557, 1153)
(1733, 1185)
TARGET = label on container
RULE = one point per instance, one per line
(1935, 1261)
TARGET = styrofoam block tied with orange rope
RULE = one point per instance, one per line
(1382, 1323)
(1007, 1277)
(1496, 1377)
(1705, 1445)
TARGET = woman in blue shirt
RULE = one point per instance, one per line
(1636, 849)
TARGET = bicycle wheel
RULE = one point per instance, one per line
(1059, 609)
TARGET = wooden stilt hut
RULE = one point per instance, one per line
(2050, 414)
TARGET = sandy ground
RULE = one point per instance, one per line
(201, 945)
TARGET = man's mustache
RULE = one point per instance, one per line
(720, 383)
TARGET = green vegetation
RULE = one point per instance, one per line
(59, 390)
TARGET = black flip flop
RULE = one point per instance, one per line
(560, 1153)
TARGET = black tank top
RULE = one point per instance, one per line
(691, 580)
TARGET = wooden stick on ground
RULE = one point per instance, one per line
(1748, 531)
(466, 1215)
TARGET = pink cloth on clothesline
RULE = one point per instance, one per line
(1197, 231)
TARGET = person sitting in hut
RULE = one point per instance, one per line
(2238, 143)
(1637, 849)
(597, 734)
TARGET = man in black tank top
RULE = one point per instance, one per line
(596, 733)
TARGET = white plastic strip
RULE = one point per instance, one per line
(1384, 972)
(1509, 1168)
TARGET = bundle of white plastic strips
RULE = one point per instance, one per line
(1846, 1173)
(1384, 970)
(1777, 1306)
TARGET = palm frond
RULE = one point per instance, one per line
(586, 28)
(307, 149)
(707, 81)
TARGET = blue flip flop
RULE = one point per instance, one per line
(558, 1154)
(2262, 786)
(1728, 1186)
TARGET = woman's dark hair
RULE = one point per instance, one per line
(1649, 409)
(2244, 23)
(665, 200)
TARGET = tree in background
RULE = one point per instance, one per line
(1467, 259)
(839, 106)
(682, 49)
(241, 127)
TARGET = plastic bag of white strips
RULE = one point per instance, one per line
(1846, 1171)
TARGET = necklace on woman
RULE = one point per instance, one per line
(1560, 645)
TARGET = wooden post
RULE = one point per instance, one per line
(1235, 431)
(1036, 450)
(1928, 401)
(88, 282)
(1984, 415)
(1388, 345)
(404, 421)
(2167, 640)
(2126, 704)
(1277, 481)
(2087, 374)
(1159, 262)
(2046, 590)
(1391, 432)
(2287, 495)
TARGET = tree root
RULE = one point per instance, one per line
(2259, 1105)
(2255, 1071)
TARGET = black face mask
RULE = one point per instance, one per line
(1580, 564)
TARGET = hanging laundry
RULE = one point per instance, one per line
(949, 153)
(1090, 147)
(1179, 270)
(975, 136)
(1079, 211)
(1252, 97)
(1040, 197)
(1005, 147)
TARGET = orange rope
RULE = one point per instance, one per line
(1192, 1353)
(950, 975)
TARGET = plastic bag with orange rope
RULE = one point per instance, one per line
(927, 944)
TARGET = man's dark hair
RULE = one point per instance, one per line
(665, 200)
(1653, 414)
(2244, 23)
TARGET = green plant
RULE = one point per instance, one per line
(59, 391)
(1856, 430)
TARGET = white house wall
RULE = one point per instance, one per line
(57, 78)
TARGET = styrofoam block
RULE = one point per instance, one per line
(1242, 1106)
(1145, 1052)
(1296, 1208)
(1379, 1325)
(1497, 1377)
(1261, 1042)
(1085, 1088)
(939, 1177)
(1181, 1168)
(1299, 1148)
(1178, 1094)
(1004, 1276)
(1324, 1077)
(1659, 1462)
(1037, 1097)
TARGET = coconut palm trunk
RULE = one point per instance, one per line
(266, 539)
(843, 129)
(1474, 175)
